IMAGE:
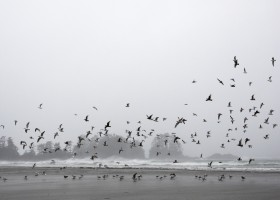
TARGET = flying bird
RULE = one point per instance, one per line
(273, 61)
(269, 79)
(40, 106)
(220, 81)
(86, 118)
(235, 62)
(253, 98)
(209, 98)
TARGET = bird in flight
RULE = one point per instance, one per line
(220, 81)
(86, 119)
(253, 98)
(269, 79)
(209, 98)
(273, 61)
(40, 106)
(235, 62)
(107, 125)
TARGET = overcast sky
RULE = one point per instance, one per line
(73, 55)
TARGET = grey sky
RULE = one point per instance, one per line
(72, 55)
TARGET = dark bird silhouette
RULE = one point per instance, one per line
(250, 160)
(86, 119)
(121, 150)
(269, 79)
(235, 62)
(55, 135)
(40, 106)
(94, 108)
(240, 143)
(266, 121)
(255, 113)
(16, 122)
(127, 105)
(39, 138)
(107, 125)
(247, 140)
(271, 112)
(220, 81)
(209, 98)
(253, 98)
(266, 136)
(273, 61)
(88, 133)
(34, 165)
(175, 139)
(134, 176)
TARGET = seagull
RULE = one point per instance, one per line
(121, 150)
(86, 119)
(271, 112)
(107, 125)
(220, 81)
(266, 136)
(127, 105)
(266, 121)
(209, 98)
(253, 98)
(15, 122)
(149, 117)
(250, 160)
(244, 71)
(40, 106)
(269, 79)
(240, 143)
(273, 61)
(55, 135)
(34, 165)
(2, 126)
(235, 62)
(94, 107)
(39, 138)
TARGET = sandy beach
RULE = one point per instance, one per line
(149, 184)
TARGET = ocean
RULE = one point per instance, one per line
(259, 165)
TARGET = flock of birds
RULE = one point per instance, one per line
(135, 177)
(143, 134)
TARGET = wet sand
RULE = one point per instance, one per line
(186, 184)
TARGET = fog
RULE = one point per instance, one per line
(74, 55)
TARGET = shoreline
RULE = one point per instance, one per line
(147, 169)
(85, 183)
